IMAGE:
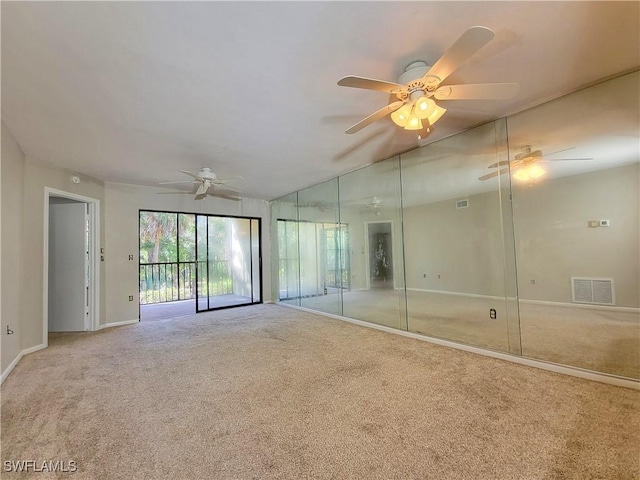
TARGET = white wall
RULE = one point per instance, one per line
(38, 176)
(12, 175)
(463, 246)
(554, 243)
(22, 238)
(23, 217)
(123, 203)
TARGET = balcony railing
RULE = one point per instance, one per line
(172, 281)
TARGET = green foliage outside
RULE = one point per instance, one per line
(161, 233)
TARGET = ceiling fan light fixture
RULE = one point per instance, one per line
(401, 115)
(529, 173)
(413, 122)
(425, 107)
(437, 113)
(536, 171)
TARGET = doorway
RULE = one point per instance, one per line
(379, 242)
(71, 268)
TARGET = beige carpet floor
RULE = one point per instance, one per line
(269, 392)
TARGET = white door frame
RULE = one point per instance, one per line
(94, 260)
(366, 251)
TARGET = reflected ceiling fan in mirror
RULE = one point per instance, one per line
(525, 166)
(206, 181)
(413, 98)
(365, 205)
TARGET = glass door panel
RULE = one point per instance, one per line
(202, 271)
(318, 220)
(256, 289)
(285, 255)
(227, 252)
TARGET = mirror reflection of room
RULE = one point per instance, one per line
(517, 236)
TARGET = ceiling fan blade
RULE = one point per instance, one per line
(478, 91)
(225, 182)
(563, 159)
(176, 183)
(227, 186)
(174, 193)
(371, 84)
(190, 174)
(202, 189)
(386, 110)
(493, 174)
(499, 164)
(224, 195)
(464, 48)
(559, 151)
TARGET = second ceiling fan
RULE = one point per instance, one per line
(206, 181)
(414, 107)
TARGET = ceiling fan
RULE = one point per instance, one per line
(206, 181)
(368, 204)
(525, 164)
(412, 105)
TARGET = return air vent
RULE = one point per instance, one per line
(592, 290)
(462, 203)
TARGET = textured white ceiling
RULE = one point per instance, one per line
(134, 91)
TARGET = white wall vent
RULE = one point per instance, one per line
(597, 291)
(462, 203)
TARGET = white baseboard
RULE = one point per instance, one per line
(588, 306)
(581, 305)
(29, 350)
(552, 367)
(15, 361)
(117, 324)
(459, 294)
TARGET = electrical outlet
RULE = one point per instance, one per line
(9, 331)
(424, 275)
(533, 282)
(131, 298)
(130, 257)
(493, 314)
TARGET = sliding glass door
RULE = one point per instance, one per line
(228, 263)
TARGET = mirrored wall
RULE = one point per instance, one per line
(458, 286)
(371, 212)
(577, 227)
(519, 236)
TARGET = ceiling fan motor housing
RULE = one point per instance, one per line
(417, 85)
(206, 174)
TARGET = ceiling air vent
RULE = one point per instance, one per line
(597, 291)
(462, 203)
